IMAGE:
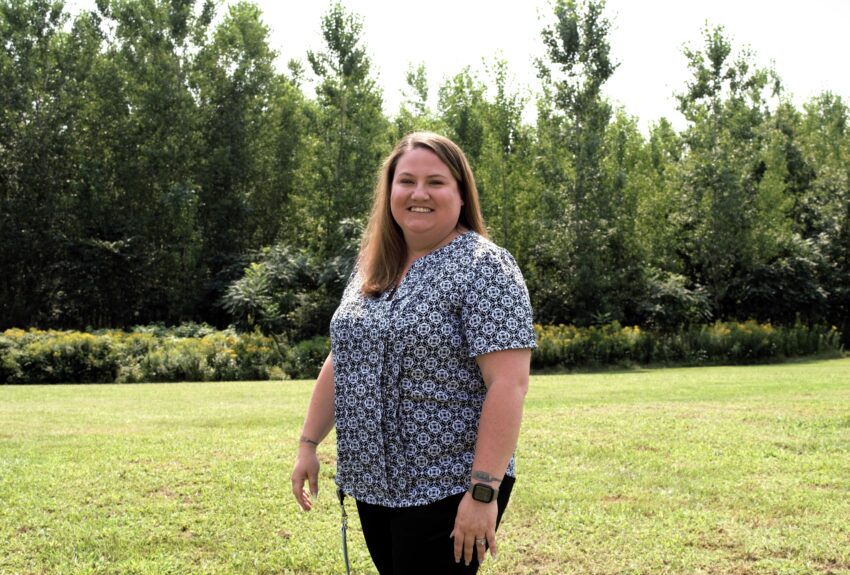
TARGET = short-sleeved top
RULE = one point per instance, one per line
(408, 390)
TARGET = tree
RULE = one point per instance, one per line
(583, 260)
(42, 69)
(822, 209)
(350, 135)
(505, 173)
(725, 168)
(661, 203)
(248, 128)
(415, 115)
(462, 109)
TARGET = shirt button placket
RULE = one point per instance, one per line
(395, 460)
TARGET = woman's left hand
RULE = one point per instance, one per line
(475, 520)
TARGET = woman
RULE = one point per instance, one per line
(429, 363)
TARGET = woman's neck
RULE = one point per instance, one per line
(414, 252)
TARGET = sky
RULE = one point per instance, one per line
(807, 43)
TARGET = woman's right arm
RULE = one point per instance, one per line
(317, 425)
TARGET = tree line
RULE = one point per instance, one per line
(155, 166)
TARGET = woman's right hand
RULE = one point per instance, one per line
(317, 425)
(306, 469)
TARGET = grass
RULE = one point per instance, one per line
(732, 470)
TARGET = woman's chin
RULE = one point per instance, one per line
(418, 231)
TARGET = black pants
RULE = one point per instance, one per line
(412, 540)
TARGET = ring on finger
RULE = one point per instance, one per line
(480, 541)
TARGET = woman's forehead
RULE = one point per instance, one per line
(422, 161)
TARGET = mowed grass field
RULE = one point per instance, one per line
(720, 470)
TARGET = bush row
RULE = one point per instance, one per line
(199, 353)
(564, 346)
(150, 354)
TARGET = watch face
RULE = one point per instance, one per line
(482, 492)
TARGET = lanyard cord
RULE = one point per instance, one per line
(344, 530)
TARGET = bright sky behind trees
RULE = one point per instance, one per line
(807, 41)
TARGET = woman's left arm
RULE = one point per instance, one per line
(506, 377)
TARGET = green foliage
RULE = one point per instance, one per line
(733, 177)
(58, 357)
(587, 264)
(196, 352)
(249, 300)
(659, 220)
(462, 107)
(822, 201)
(149, 354)
(505, 169)
(251, 124)
(42, 66)
(566, 346)
(669, 303)
(305, 359)
(291, 292)
(156, 166)
(415, 114)
(349, 137)
(174, 154)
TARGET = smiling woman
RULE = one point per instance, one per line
(430, 353)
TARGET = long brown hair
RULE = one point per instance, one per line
(383, 252)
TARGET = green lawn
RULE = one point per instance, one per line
(703, 470)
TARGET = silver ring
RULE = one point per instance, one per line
(480, 541)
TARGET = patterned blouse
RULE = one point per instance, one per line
(408, 391)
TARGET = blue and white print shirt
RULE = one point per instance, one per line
(408, 391)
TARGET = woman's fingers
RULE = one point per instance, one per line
(458, 541)
(306, 500)
(306, 470)
(313, 479)
(491, 540)
(484, 543)
(299, 489)
(300, 494)
(468, 547)
(481, 548)
(464, 545)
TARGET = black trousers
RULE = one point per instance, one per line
(413, 540)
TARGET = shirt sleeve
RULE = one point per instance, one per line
(496, 313)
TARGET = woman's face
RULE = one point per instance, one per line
(424, 198)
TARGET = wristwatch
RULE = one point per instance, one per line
(483, 492)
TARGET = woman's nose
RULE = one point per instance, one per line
(420, 191)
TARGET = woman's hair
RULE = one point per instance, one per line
(383, 251)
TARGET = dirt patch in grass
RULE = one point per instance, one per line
(617, 498)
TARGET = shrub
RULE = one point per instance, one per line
(10, 367)
(256, 356)
(305, 359)
(198, 353)
(148, 353)
(721, 342)
(37, 356)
